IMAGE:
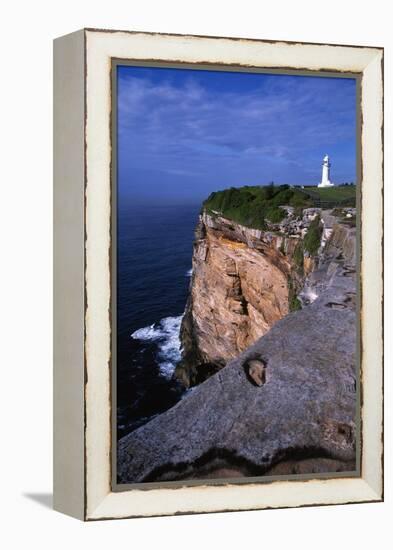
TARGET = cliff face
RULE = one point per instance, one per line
(299, 417)
(244, 280)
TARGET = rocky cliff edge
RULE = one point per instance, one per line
(299, 418)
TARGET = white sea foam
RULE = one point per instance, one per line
(189, 273)
(166, 333)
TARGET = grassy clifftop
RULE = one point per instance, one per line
(253, 206)
(332, 197)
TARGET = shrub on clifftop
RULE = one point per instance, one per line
(298, 256)
(252, 206)
(312, 240)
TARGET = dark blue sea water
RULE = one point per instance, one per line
(154, 252)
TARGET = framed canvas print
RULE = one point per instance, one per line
(218, 274)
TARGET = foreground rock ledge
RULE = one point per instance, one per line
(301, 420)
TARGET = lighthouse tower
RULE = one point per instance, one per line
(326, 173)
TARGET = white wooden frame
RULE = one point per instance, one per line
(82, 418)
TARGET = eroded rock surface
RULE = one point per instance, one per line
(300, 420)
(239, 290)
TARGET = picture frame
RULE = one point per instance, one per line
(84, 285)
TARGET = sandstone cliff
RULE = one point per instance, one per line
(244, 280)
(300, 418)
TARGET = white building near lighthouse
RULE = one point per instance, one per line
(326, 173)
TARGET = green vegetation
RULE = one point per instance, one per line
(298, 256)
(293, 301)
(334, 193)
(295, 304)
(252, 206)
(330, 197)
(275, 214)
(312, 239)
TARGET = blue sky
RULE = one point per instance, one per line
(183, 133)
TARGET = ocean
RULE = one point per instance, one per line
(154, 253)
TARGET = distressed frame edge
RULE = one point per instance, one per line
(372, 137)
(362, 493)
(375, 490)
(69, 489)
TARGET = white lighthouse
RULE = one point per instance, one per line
(326, 173)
